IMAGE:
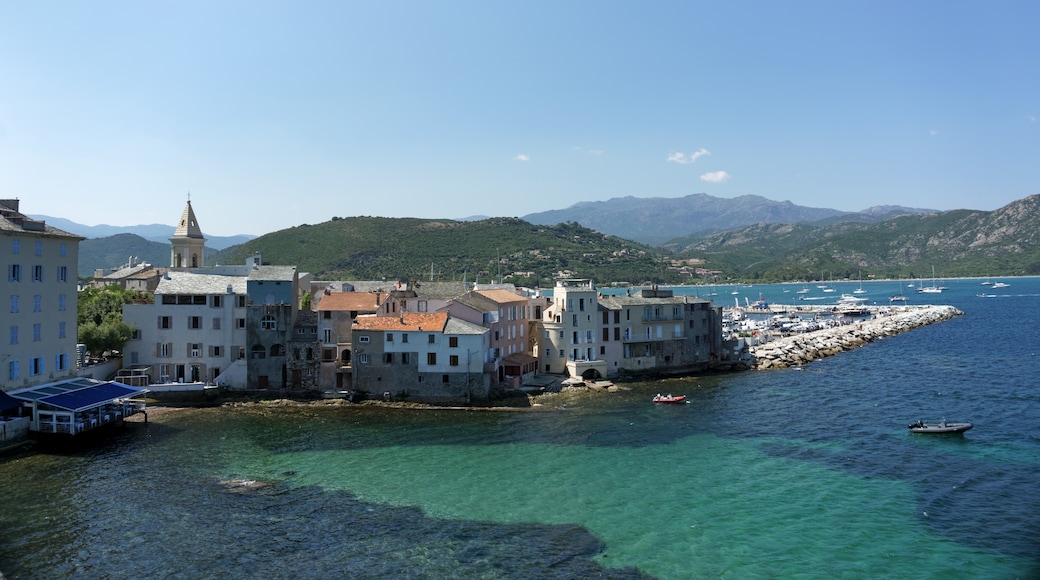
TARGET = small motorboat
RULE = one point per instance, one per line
(940, 427)
(659, 398)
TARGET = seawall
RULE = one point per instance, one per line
(802, 348)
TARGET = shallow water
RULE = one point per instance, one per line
(794, 473)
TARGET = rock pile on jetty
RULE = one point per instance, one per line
(802, 348)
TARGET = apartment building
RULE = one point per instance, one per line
(506, 315)
(420, 356)
(195, 331)
(569, 343)
(658, 332)
(40, 288)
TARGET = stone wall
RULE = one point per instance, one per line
(802, 348)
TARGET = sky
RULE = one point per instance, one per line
(274, 114)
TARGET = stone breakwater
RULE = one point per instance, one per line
(802, 348)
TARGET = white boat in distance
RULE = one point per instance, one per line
(934, 288)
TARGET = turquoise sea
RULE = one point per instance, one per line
(806, 473)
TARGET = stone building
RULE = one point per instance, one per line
(428, 357)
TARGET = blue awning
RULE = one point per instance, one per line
(7, 402)
(85, 398)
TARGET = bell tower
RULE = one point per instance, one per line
(188, 243)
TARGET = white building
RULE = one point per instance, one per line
(570, 324)
(40, 289)
(194, 332)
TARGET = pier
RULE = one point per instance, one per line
(799, 349)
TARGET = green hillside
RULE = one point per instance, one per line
(1004, 242)
(372, 248)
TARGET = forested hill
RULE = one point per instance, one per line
(373, 248)
(1005, 242)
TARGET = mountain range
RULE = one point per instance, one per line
(153, 232)
(749, 237)
(644, 219)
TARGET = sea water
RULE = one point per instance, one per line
(791, 473)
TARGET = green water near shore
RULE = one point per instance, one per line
(780, 474)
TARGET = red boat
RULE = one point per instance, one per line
(670, 398)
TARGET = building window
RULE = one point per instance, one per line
(216, 350)
(36, 366)
(363, 339)
(453, 341)
(12, 370)
(389, 337)
(194, 322)
(216, 323)
(388, 358)
(561, 353)
(421, 307)
(61, 329)
(277, 350)
(37, 303)
(14, 273)
(404, 358)
(430, 339)
(37, 332)
(164, 349)
(404, 338)
(63, 273)
(165, 322)
(39, 248)
(64, 249)
(363, 358)
(217, 301)
(445, 379)
(14, 335)
(37, 273)
(194, 350)
(257, 352)
(14, 303)
(453, 360)
(61, 302)
(268, 323)
(240, 323)
(136, 335)
(431, 358)
(16, 246)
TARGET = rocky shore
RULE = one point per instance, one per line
(802, 348)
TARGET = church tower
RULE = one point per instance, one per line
(187, 243)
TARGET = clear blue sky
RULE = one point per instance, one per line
(274, 114)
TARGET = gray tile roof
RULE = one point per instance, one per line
(283, 273)
(189, 283)
(459, 326)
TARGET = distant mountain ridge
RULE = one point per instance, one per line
(656, 220)
(153, 232)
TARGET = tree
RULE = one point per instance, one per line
(100, 317)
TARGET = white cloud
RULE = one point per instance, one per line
(1032, 118)
(595, 152)
(715, 177)
(933, 132)
(684, 159)
(522, 157)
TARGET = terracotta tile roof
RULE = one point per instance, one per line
(501, 296)
(407, 321)
(351, 301)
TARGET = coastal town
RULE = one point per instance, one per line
(270, 328)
